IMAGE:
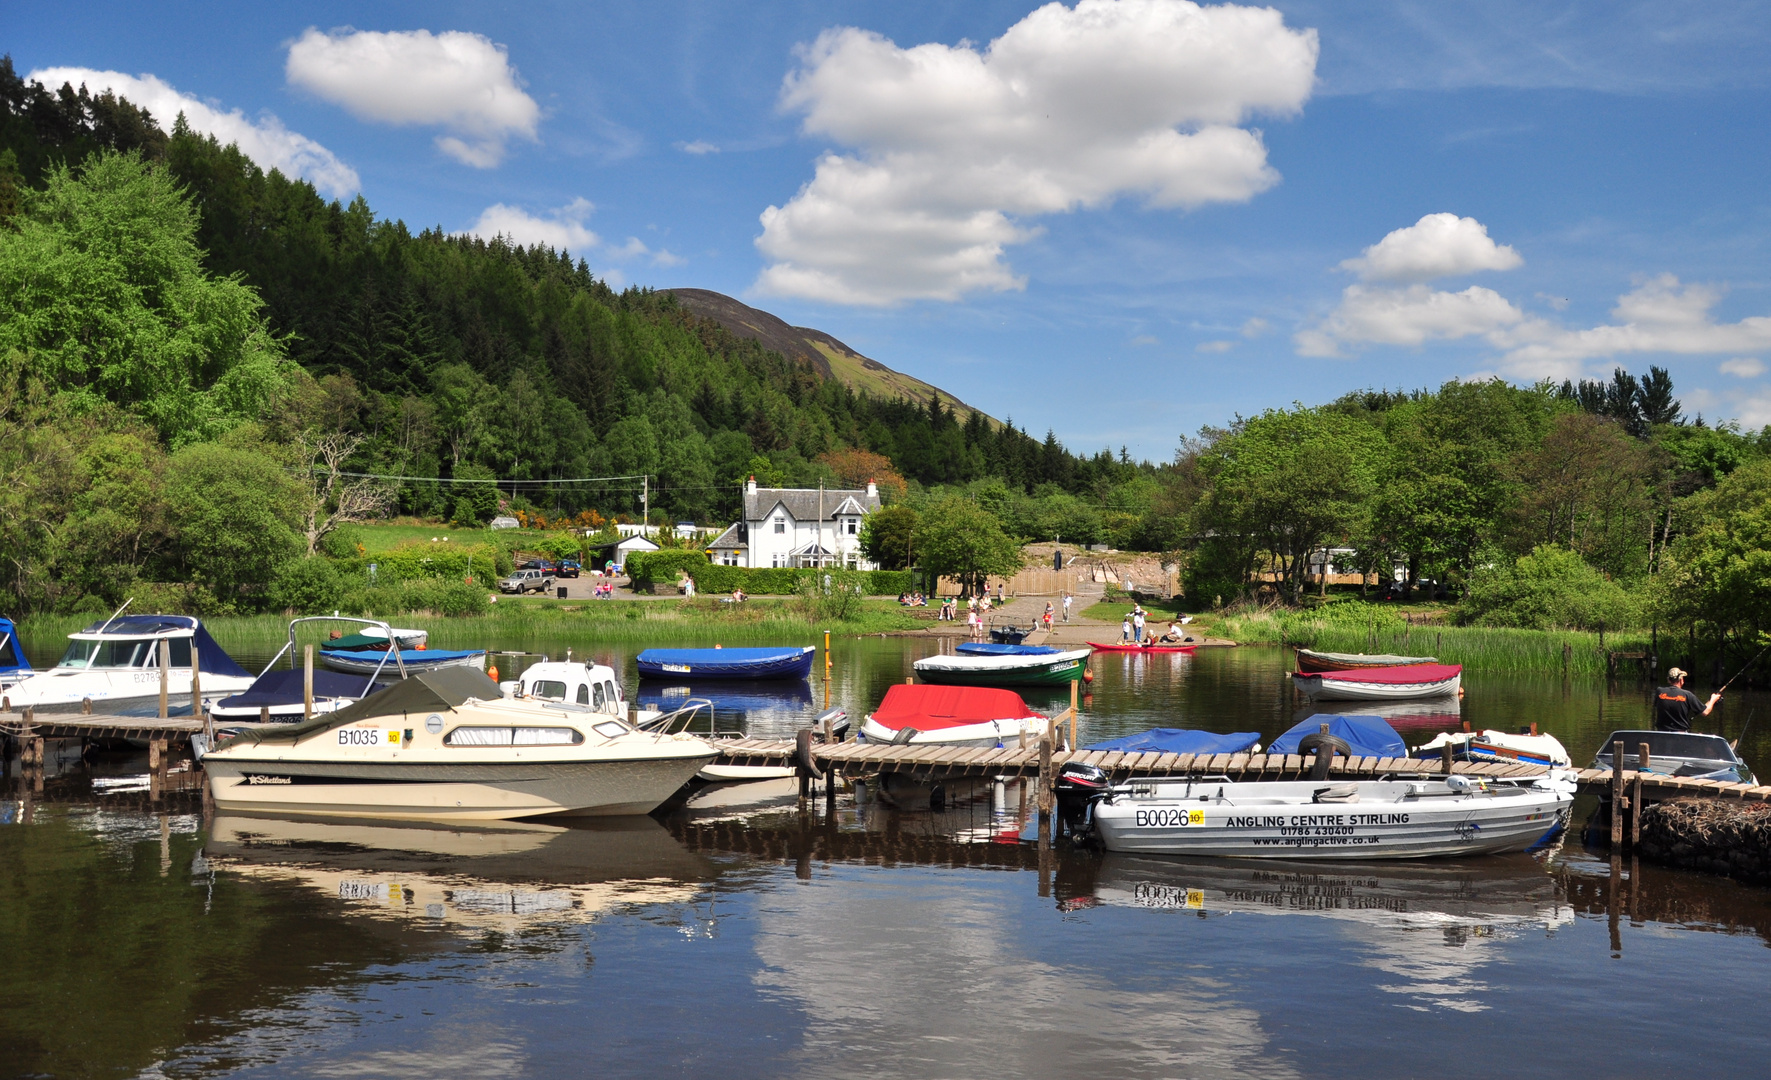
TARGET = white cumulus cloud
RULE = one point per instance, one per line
(562, 228)
(1660, 315)
(1436, 246)
(1069, 108)
(265, 140)
(462, 83)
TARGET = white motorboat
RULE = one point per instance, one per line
(449, 745)
(1381, 684)
(951, 716)
(115, 664)
(1400, 818)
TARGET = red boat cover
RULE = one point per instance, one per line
(1391, 676)
(930, 708)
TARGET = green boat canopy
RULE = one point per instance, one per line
(424, 692)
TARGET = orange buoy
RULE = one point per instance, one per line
(492, 672)
(1088, 675)
(421, 646)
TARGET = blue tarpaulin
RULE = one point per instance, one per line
(1368, 736)
(1169, 740)
(986, 648)
(284, 687)
(793, 662)
(12, 655)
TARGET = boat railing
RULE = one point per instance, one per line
(679, 719)
(393, 645)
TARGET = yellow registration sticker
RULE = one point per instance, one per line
(393, 737)
(1195, 817)
(1196, 897)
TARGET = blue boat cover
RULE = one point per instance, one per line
(283, 687)
(210, 657)
(12, 655)
(1173, 740)
(777, 663)
(991, 648)
(1368, 736)
(412, 658)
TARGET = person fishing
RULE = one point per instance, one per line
(1674, 705)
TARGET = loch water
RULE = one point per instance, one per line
(740, 939)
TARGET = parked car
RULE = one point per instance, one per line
(568, 568)
(538, 564)
(522, 581)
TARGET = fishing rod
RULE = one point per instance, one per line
(1744, 728)
(1743, 670)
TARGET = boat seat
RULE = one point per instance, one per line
(1337, 793)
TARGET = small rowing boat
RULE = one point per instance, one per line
(950, 716)
(1147, 647)
(1311, 660)
(993, 648)
(1490, 745)
(1378, 684)
(390, 663)
(789, 662)
(1012, 670)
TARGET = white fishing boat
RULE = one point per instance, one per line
(449, 745)
(951, 716)
(115, 665)
(1380, 684)
(1400, 818)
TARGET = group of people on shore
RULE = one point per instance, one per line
(913, 599)
(1131, 628)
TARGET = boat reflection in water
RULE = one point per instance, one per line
(501, 877)
(1424, 715)
(1430, 925)
(758, 710)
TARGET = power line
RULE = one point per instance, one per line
(502, 483)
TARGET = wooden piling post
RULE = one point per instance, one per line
(1642, 759)
(1045, 793)
(85, 706)
(802, 753)
(165, 673)
(1617, 794)
(196, 682)
(1444, 757)
(307, 682)
(1074, 694)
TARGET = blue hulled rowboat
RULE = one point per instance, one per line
(791, 662)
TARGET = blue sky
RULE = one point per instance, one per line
(1120, 220)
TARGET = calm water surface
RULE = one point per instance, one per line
(142, 940)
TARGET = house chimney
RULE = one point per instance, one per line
(872, 490)
(750, 486)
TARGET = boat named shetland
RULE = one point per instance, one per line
(971, 669)
(1398, 818)
(447, 744)
(1379, 684)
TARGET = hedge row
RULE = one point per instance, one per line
(663, 568)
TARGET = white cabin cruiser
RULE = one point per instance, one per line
(1398, 818)
(116, 665)
(448, 745)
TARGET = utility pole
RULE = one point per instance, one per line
(645, 504)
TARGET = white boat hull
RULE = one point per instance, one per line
(743, 774)
(1354, 690)
(448, 792)
(992, 733)
(116, 690)
(1392, 819)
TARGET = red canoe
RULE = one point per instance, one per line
(1126, 646)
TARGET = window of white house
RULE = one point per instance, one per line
(854, 526)
(780, 525)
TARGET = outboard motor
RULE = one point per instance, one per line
(1078, 787)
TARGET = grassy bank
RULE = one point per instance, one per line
(584, 624)
(1478, 648)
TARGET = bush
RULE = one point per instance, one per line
(648, 568)
(419, 561)
(451, 598)
(309, 586)
(1550, 589)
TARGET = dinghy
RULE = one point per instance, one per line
(1379, 684)
(388, 663)
(1400, 818)
(1684, 754)
(1490, 745)
(996, 648)
(951, 716)
(970, 669)
(791, 662)
(1311, 660)
(1147, 647)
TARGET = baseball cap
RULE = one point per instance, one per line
(1676, 673)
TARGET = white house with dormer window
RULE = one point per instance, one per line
(798, 527)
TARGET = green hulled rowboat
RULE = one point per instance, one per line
(1023, 670)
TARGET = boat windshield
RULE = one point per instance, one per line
(1670, 744)
(124, 653)
(8, 653)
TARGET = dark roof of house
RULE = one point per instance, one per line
(730, 540)
(802, 503)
